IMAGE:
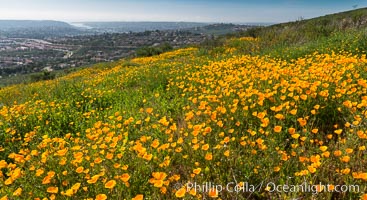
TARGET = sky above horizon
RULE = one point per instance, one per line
(237, 11)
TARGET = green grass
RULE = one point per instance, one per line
(242, 109)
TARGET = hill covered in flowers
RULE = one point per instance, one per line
(229, 122)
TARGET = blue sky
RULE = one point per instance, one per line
(173, 10)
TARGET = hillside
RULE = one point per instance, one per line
(244, 118)
(23, 24)
(294, 39)
(36, 29)
(220, 29)
(60, 47)
(316, 27)
(353, 19)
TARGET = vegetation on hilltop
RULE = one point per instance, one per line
(242, 115)
(313, 29)
(295, 39)
(153, 50)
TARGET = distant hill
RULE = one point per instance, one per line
(304, 30)
(36, 29)
(304, 36)
(21, 24)
(193, 27)
(220, 28)
(353, 19)
(48, 28)
(120, 27)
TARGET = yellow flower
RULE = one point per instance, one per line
(16, 173)
(345, 171)
(159, 175)
(277, 129)
(75, 187)
(205, 147)
(337, 153)
(163, 190)
(303, 97)
(181, 192)
(293, 112)
(197, 171)
(148, 156)
(279, 116)
(53, 190)
(295, 136)
(109, 156)
(158, 179)
(98, 160)
(349, 151)
(213, 193)
(3, 164)
(39, 172)
(149, 110)
(319, 188)
(138, 197)
(345, 159)
(79, 170)
(311, 169)
(18, 192)
(323, 148)
(93, 179)
(125, 177)
(326, 154)
(110, 184)
(68, 193)
(363, 176)
(208, 130)
(331, 187)
(4, 197)
(101, 197)
(61, 152)
(155, 143)
(46, 180)
(192, 192)
(291, 131)
(339, 131)
(302, 121)
(63, 161)
(158, 183)
(208, 156)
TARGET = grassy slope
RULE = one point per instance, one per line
(341, 31)
(221, 114)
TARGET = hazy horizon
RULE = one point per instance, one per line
(137, 21)
(203, 11)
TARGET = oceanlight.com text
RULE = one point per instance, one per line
(244, 187)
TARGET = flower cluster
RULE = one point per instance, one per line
(136, 130)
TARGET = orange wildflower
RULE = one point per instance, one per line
(181, 192)
(101, 197)
(110, 184)
(53, 190)
(277, 129)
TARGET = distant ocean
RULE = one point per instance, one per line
(80, 25)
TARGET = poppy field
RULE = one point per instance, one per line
(163, 127)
